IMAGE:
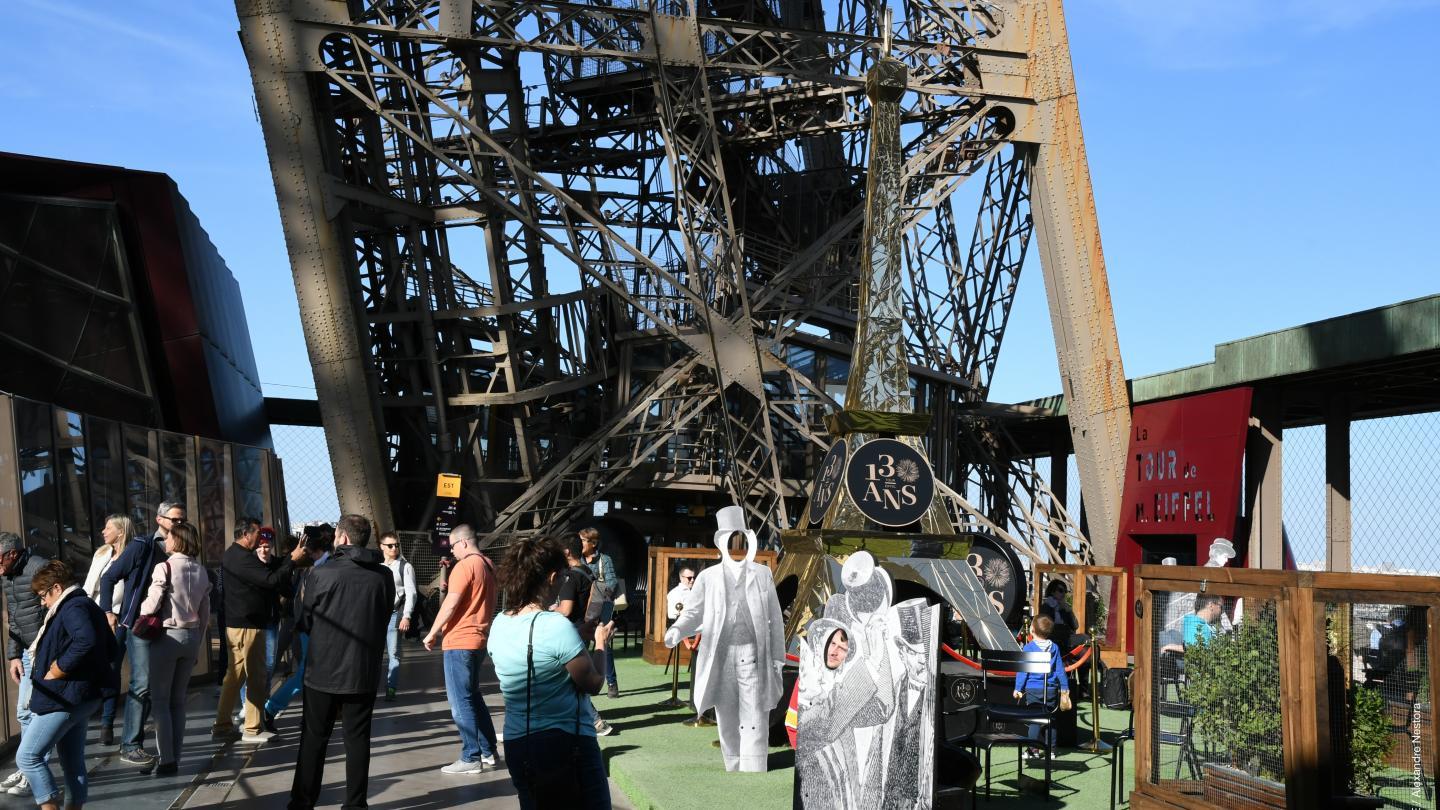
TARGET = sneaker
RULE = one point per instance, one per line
(614, 691)
(389, 694)
(602, 728)
(136, 756)
(20, 788)
(12, 780)
(167, 769)
(262, 737)
(488, 761)
(461, 766)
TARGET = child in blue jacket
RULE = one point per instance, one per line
(1050, 688)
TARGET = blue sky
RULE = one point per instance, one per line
(1257, 164)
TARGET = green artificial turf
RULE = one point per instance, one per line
(663, 765)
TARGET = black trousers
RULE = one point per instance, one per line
(321, 710)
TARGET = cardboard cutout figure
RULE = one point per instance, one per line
(865, 714)
(737, 669)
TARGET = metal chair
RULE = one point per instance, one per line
(1032, 715)
(1117, 751)
(1183, 737)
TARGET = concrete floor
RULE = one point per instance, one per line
(412, 738)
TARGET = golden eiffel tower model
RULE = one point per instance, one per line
(875, 490)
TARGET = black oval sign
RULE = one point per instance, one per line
(827, 483)
(890, 482)
(998, 568)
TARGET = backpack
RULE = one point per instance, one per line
(1115, 688)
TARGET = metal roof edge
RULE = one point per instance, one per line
(1384, 332)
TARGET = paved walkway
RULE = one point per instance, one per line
(412, 738)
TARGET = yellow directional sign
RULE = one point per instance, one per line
(447, 485)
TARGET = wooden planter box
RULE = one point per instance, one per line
(1314, 772)
(1234, 789)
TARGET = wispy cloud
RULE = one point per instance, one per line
(118, 23)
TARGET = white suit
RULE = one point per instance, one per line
(737, 669)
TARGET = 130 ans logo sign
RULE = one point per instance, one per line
(890, 482)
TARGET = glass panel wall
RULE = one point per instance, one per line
(142, 477)
(105, 465)
(249, 487)
(75, 470)
(214, 499)
(177, 468)
(39, 504)
(72, 466)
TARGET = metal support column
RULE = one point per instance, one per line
(1063, 205)
(334, 334)
(1263, 482)
(1337, 485)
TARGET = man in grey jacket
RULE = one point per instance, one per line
(17, 565)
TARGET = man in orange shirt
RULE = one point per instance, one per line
(464, 620)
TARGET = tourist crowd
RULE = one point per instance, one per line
(343, 608)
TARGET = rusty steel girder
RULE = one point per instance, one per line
(607, 251)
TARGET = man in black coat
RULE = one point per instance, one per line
(345, 606)
(251, 590)
(25, 613)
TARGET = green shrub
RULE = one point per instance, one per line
(1370, 737)
(1233, 681)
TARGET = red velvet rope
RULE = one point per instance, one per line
(946, 648)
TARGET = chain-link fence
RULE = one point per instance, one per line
(1394, 480)
(309, 480)
(1303, 484)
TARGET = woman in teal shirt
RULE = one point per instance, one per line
(547, 678)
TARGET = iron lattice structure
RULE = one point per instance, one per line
(578, 251)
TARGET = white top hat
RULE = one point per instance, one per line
(728, 521)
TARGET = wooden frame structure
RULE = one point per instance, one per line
(657, 578)
(1113, 650)
(1310, 760)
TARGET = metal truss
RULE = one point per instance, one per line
(586, 251)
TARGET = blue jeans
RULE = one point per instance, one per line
(22, 697)
(467, 705)
(64, 731)
(137, 707)
(1037, 696)
(607, 613)
(541, 762)
(281, 697)
(392, 650)
(107, 709)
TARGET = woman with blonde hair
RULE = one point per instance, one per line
(117, 532)
(179, 596)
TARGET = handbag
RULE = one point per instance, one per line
(600, 596)
(620, 601)
(150, 627)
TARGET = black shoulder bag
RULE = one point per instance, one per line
(554, 783)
